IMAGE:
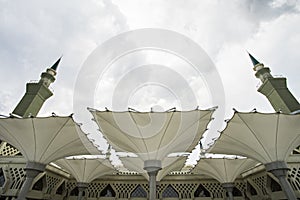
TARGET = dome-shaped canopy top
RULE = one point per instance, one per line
(45, 139)
(86, 170)
(153, 135)
(224, 170)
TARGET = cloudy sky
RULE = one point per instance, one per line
(34, 34)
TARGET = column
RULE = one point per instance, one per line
(279, 169)
(81, 187)
(32, 169)
(152, 167)
(229, 188)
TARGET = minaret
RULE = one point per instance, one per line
(36, 93)
(275, 89)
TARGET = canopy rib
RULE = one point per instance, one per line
(34, 138)
(257, 153)
(143, 139)
(219, 173)
(164, 132)
(117, 131)
(238, 170)
(84, 168)
(192, 124)
(225, 169)
(65, 146)
(276, 138)
(257, 139)
(95, 169)
(55, 135)
(73, 171)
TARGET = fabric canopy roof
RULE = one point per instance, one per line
(265, 137)
(153, 135)
(169, 164)
(224, 170)
(86, 170)
(44, 140)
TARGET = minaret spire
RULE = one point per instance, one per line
(55, 65)
(254, 61)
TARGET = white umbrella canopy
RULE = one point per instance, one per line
(46, 139)
(225, 170)
(85, 170)
(153, 135)
(169, 164)
(265, 137)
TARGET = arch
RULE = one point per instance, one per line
(251, 189)
(138, 192)
(201, 191)
(236, 192)
(108, 191)
(40, 184)
(60, 190)
(2, 177)
(74, 192)
(274, 185)
(170, 192)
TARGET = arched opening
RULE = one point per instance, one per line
(170, 192)
(201, 192)
(274, 185)
(39, 185)
(61, 189)
(74, 192)
(251, 189)
(108, 191)
(139, 192)
(2, 177)
(236, 192)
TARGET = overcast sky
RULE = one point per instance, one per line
(34, 34)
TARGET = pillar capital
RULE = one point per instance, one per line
(152, 166)
(278, 168)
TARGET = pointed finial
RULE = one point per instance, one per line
(55, 65)
(254, 61)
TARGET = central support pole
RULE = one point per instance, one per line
(229, 188)
(279, 169)
(32, 169)
(152, 167)
(81, 187)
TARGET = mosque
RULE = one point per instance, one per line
(33, 151)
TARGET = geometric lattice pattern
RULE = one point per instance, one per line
(294, 177)
(17, 177)
(7, 150)
(170, 192)
(185, 190)
(241, 186)
(52, 182)
(215, 188)
(261, 183)
(139, 192)
(94, 189)
(125, 189)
